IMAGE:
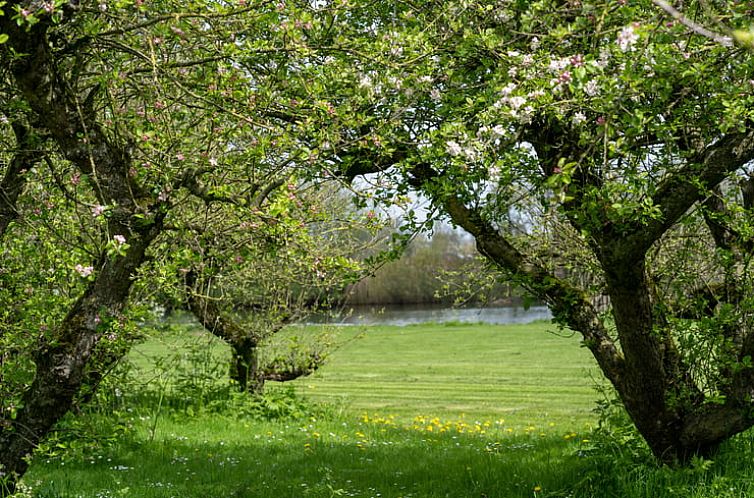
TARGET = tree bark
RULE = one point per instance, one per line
(61, 364)
(245, 366)
(62, 360)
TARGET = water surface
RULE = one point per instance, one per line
(407, 315)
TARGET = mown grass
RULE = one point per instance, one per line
(421, 411)
(526, 374)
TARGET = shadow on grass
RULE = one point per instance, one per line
(336, 458)
(289, 461)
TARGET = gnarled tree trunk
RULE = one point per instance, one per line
(62, 360)
(245, 368)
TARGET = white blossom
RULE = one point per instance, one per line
(627, 38)
(453, 148)
(591, 88)
(498, 130)
(470, 153)
(578, 118)
(508, 89)
(527, 113)
(366, 81)
(494, 173)
(558, 65)
(395, 82)
(536, 94)
(517, 102)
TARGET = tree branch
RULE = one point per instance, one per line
(569, 305)
(724, 40)
(26, 155)
(679, 192)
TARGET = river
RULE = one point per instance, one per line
(407, 315)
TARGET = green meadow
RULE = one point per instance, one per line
(450, 410)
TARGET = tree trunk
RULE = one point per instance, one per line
(61, 364)
(245, 367)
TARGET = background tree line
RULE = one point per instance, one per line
(438, 269)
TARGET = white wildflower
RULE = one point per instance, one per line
(527, 114)
(558, 65)
(366, 82)
(508, 89)
(498, 131)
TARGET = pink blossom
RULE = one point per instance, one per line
(601, 121)
(84, 271)
(119, 239)
(98, 210)
(577, 60)
(180, 156)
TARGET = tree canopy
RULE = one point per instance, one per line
(607, 138)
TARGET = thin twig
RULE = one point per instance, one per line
(724, 40)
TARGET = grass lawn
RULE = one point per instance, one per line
(417, 411)
(519, 373)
